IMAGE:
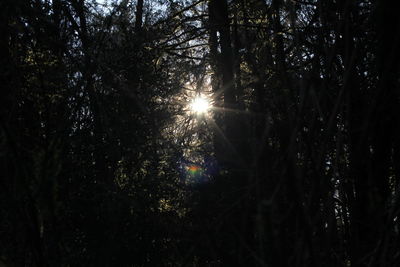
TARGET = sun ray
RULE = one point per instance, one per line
(232, 150)
(237, 111)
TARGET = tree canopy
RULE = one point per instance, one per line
(199, 133)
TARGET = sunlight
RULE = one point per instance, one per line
(200, 105)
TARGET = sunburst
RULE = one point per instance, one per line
(200, 105)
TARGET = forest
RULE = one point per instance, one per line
(199, 133)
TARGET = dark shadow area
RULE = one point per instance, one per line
(199, 133)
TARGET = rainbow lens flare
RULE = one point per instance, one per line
(193, 169)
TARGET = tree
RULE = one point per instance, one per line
(296, 163)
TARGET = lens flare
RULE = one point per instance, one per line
(193, 169)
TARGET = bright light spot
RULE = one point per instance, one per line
(200, 105)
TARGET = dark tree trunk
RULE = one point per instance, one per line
(139, 16)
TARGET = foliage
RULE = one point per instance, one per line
(103, 163)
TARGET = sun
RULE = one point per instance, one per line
(200, 105)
